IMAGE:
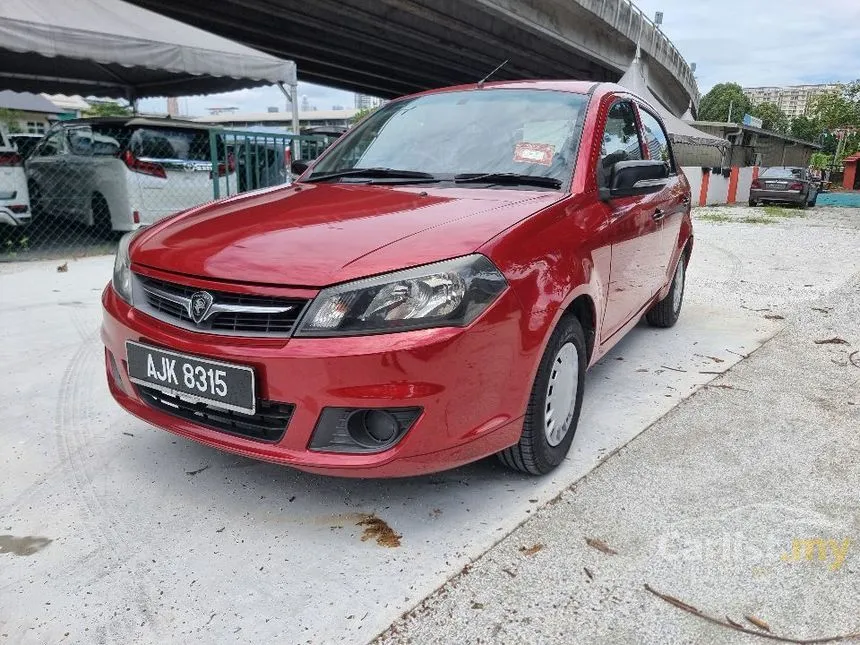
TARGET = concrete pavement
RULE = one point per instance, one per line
(742, 501)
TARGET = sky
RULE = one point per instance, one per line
(751, 42)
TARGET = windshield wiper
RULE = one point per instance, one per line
(374, 173)
(507, 178)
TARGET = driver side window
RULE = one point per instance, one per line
(53, 145)
(620, 140)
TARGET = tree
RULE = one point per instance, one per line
(839, 109)
(715, 105)
(772, 117)
(11, 119)
(806, 129)
(358, 116)
(108, 108)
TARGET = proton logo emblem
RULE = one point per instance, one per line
(199, 306)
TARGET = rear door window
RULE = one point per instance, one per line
(170, 144)
(656, 140)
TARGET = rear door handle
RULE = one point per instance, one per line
(659, 214)
(685, 200)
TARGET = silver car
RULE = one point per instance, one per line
(784, 184)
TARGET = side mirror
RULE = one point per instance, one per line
(298, 167)
(636, 178)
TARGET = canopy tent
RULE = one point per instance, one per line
(635, 79)
(115, 49)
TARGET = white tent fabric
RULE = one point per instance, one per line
(635, 79)
(112, 48)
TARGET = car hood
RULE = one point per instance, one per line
(322, 234)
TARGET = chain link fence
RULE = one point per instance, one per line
(76, 190)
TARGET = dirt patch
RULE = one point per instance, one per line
(377, 529)
(27, 545)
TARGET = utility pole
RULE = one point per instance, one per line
(731, 105)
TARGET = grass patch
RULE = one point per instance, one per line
(778, 211)
(715, 217)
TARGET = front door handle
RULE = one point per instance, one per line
(685, 200)
(659, 214)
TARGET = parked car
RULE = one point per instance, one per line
(14, 199)
(430, 292)
(784, 184)
(116, 173)
(25, 142)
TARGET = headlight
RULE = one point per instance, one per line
(444, 294)
(122, 267)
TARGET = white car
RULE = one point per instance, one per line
(118, 173)
(14, 198)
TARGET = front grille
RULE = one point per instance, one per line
(231, 313)
(268, 424)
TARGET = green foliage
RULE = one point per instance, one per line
(838, 109)
(108, 108)
(820, 160)
(806, 129)
(358, 116)
(772, 117)
(10, 119)
(714, 106)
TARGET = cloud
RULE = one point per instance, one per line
(764, 43)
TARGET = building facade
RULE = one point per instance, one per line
(794, 100)
(307, 119)
(751, 146)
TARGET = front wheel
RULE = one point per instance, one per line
(554, 404)
(665, 312)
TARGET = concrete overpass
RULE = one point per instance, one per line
(392, 47)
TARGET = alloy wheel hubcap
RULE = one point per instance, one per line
(561, 394)
(678, 289)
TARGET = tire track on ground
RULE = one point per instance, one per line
(102, 517)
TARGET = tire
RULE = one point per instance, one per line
(665, 312)
(544, 443)
(814, 199)
(102, 225)
(753, 203)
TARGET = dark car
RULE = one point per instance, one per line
(430, 291)
(25, 142)
(784, 184)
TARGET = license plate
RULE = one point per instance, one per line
(221, 385)
(780, 184)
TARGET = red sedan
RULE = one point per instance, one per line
(431, 290)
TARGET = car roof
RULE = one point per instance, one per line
(156, 122)
(593, 88)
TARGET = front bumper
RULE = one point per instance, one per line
(786, 196)
(472, 384)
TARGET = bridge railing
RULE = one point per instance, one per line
(632, 22)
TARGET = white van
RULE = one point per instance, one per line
(117, 173)
(14, 200)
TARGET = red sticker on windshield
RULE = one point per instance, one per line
(539, 153)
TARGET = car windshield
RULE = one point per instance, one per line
(472, 132)
(790, 173)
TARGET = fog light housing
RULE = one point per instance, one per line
(361, 430)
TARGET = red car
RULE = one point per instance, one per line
(431, 290)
